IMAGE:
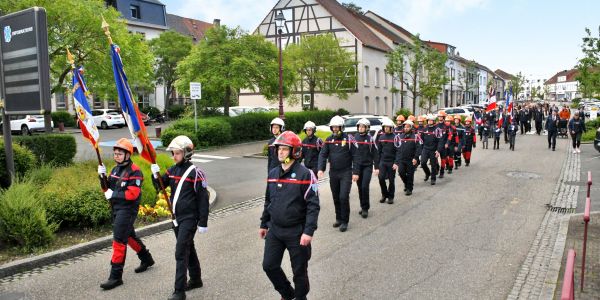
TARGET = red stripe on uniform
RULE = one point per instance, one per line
(309, 145)
(289, 181)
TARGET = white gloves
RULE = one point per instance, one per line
(101, 170)
(108, 194)
(155, 169)
(202, 229)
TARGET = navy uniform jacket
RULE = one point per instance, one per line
(365, 153)
(338, 151)
(126, 183)
(431, 137)
(386, 148)
(273, 159)
(311, 146)
(291, 199)
(552, 125)
(410, 147)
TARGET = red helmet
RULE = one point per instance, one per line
(290, 139)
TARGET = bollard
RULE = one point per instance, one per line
(586, 219)
(589, 183)
(568, 289)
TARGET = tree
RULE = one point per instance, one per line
(351, 6)
(517, 83)
(169, 49)
(228, 60)
(76, 24)
(416, 61)
(589, 66)
(434, 78)
(320, 64)
(396, 68)
(468, 80)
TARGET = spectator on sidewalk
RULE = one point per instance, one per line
(552, 128)
(576, 126)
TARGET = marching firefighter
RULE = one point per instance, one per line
(420, 124)
(512, 132)
(446, 146)
(431, 138)
(289, 218)
(124, 194)
(277, 127)
(189, 201)
(470, 141)
(486, 134)
(460, 136)
(311, 146)
(387, 155)
(409, 149)
(399, 121)
(338, 151)
(497, 134)
(362, 163)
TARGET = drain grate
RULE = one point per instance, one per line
(562, 210)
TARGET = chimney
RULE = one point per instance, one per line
(217, 22)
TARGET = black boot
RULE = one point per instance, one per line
(344, 227)
(337, 223)
(178, 295)
(194, 283)
(364, 213)
(111, 283)
(449, 170)
(408, 193)
(467, 163)
(426, 178)
(146, 261)
(441, 173)
(382, 200)
(390, 200)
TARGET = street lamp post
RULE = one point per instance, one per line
(451, 80)
(279, 23)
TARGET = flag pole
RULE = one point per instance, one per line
(103, 178)
(157, 175)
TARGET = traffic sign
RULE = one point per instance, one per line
(195, 90)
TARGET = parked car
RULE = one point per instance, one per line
(591, 107)
(26, 124)
(105, 118)
(351, 120)
(597, 140)
(461, 111)
(235, 111)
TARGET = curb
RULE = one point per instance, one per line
(38, 261)
(256, 155)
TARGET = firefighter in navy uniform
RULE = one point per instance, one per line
(338, 151)
(460, 137)
(470, 141)
(409, 149)
(189, 200)
(311, 146)
(364, 157)
(446, 146)
(512, 132)
(289, 218)
(431, 138)
(387, 155)
(124, 193)
(277, 127)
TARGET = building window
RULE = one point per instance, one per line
(376, 108)
(112, 104)
(366, 76)
(385, 104)
(385, 79)
(61, 101)
(135, 11)
(376, 77)
(366, 106)
(143, 100)
(98, 103)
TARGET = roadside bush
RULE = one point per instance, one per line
(40, 175)
(150, 110)
(251, 126)
(342, 111)
(56, 149)
(213, 131)
(170, 133)
(149, 193)
(589, 135)
(23, 220)
(295, 120)
(63, 116)
(403, 111)
(174, 111)
(24, 161)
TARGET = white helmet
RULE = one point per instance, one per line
(387, 122)
(310, 124)
(431, 117)
(337, 121)
(363, 121)
(409, 122)
(278, 121)
(184, 144)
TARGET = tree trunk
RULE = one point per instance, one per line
(312, 97)
(414, 110)
(226, 100)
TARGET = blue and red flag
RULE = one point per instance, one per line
(82, 108)
(131, 112)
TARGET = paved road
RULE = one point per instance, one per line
(464, 238)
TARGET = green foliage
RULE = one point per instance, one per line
(23, 220)
(341, 112)
(318, 63)
(150, 110)
(211, 131)
(589, 136)
(169, 49)
(404, 111)
(57, 149)
(41, 174)
(24, 161)
(149, 193)
(175, 111)
(589, 66)
(63, 116)
(170, 133)
(76, 24)
(517, 83)
(432, 83)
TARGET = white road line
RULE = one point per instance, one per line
(197, 160)
(210, 156)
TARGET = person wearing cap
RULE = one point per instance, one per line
(409, 149)
(189, 201)
(338, 151)
(277, 127)
(364, 157)
(431, 136)
(387, 154)
(469, 141)
(576, 126)
(399, 121)
(289, 218)
(124, 193)
(311, 146)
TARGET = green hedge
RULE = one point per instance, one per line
(174, 111)
(211, 131)
(150, 110)
(56, 149)
(23, 221)
(24, 161)
(63, 116)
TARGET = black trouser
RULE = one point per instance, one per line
(386, 172)
(552, 138)
(576, 140)
(457, 157)
(480, 131)
(429, 155)
(277, 241)
(364, 180)
(406, 170)
(527, 126)
(123, 234)
(340, 182)
(505, 135)
(538, 127)
(496, 142)
(522, 125)
(186, 257)
(512, 142)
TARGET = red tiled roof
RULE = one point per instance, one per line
(186, 26)
(504, 75)
(396, 26)
(375, 25)
(354, 25)
(570, 74)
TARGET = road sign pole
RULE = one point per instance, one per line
(195, 94)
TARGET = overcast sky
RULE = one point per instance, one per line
(535, 37)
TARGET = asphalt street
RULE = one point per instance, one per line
(464, 238)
